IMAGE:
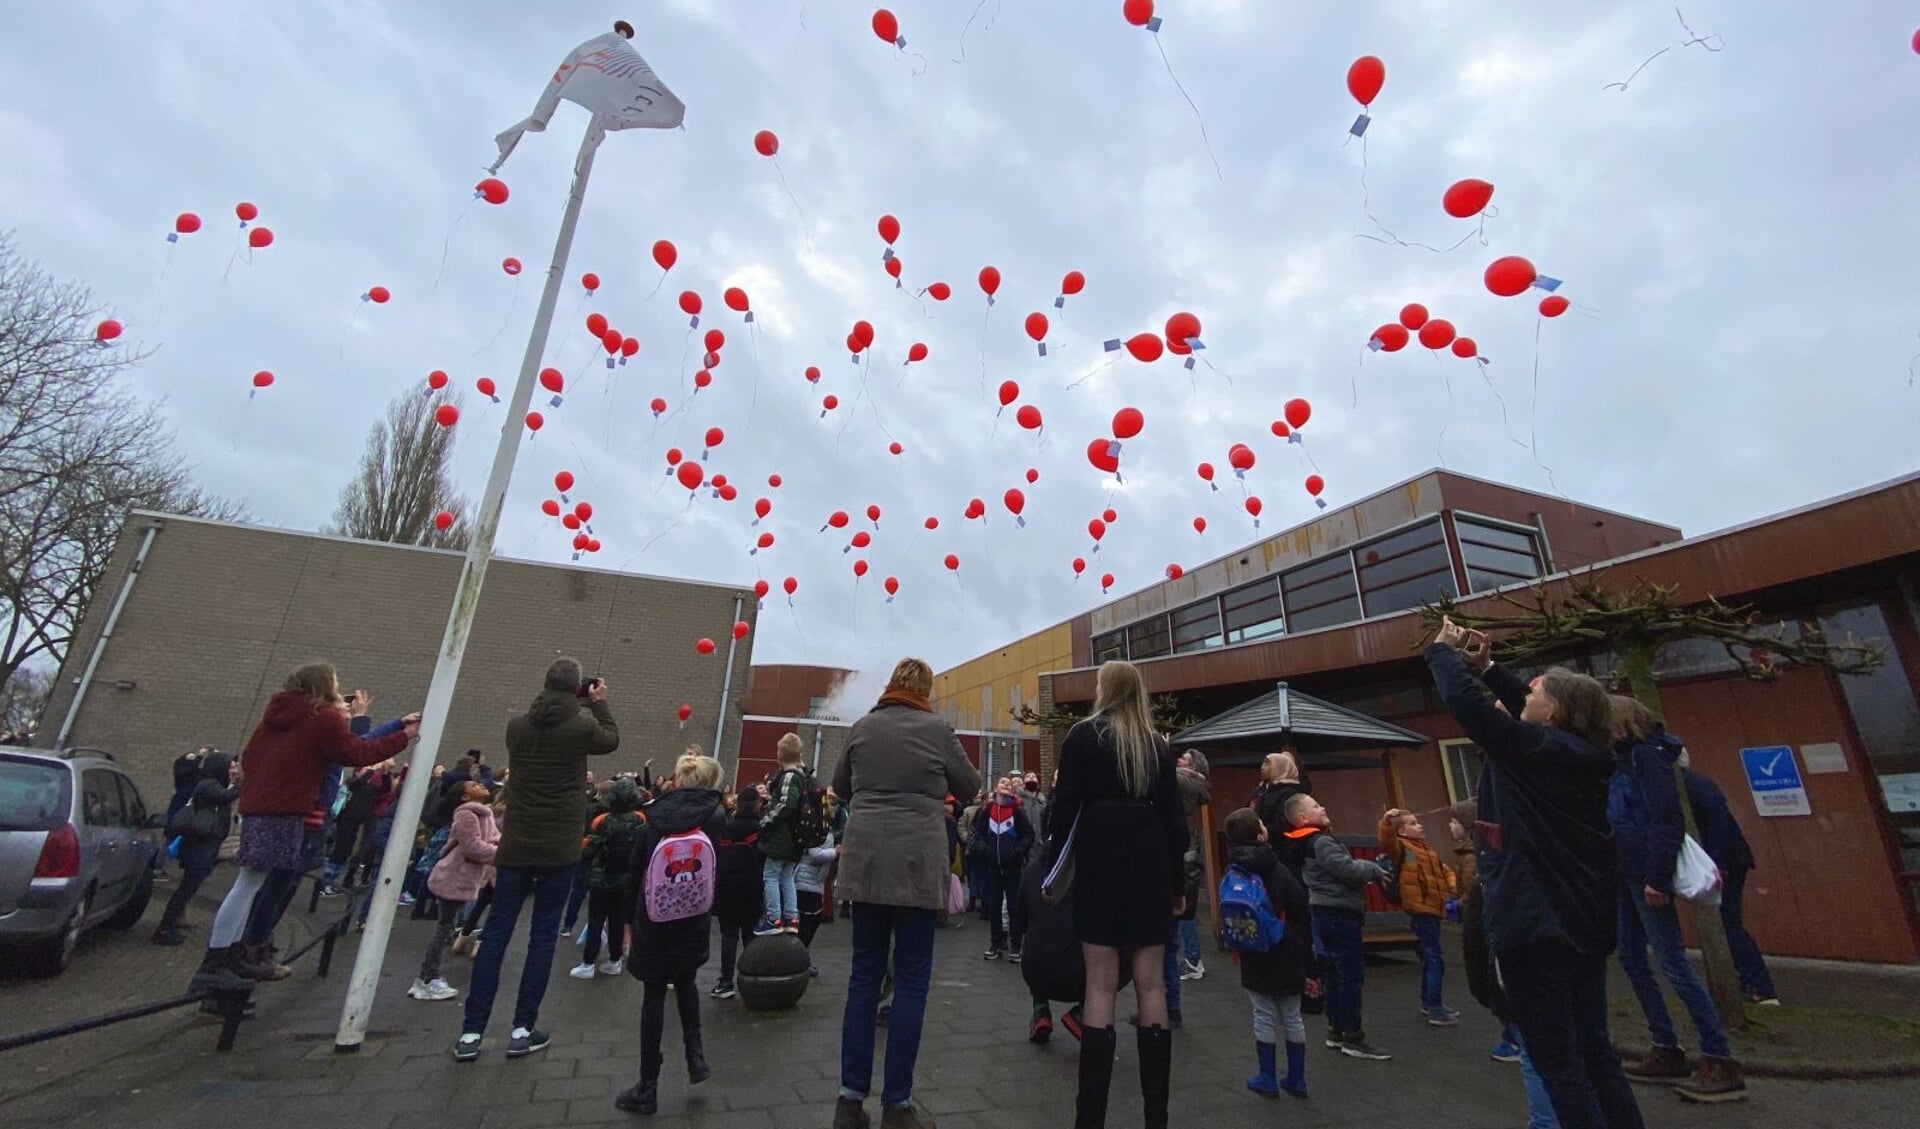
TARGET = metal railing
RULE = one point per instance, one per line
(230, 1005)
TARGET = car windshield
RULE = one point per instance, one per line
(34, 795)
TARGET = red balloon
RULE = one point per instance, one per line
(1079, 565)
(1553, 305)
(894, 448)
(1253, 504)
(246, 211)
(571, 521)
(1009, 392)
(107, 330)
(1073, 283)
(1298, 412)
(714, 340)
(563, 481)
(765, 143)
(1315, 484)
(1096, 529)
(1139, 13)
(886, 26)
(1437, 334)
(1510, 275)
(711, 360)
(689, 474)
(1029, 417)
(953, 563)
(1145, 347)
(597, 324)
(719, 481)
(939, 291)
(1098, 454)
(1015, 501)
(1464, 347)
(873, 513)
(765, 541)
(552, 381)
(918, 352)
(760, 587)
(1280, 429)
(673, 456)
(813, 374)
(1037, 326)
(1106, 581)
(186, 223)
(702, 378)
(1109, 516)
(889, 229)
(830, 402)
(736, 299)
(1205, 470)
(1465, 198)
(591, 281)
(715, 437)
(729, 492)
(1365, 78)
(1033, 476)
(550, 507)
(629, 346)
(535, 421)
(704, 646)
(260, 237)
(740, 629)
(493, 190)
(685, 711)
(1916, 42)
(989, 280)
(593, 544)
(1182, 328)
(790, 584)
(863, 333)
(976, 508)
(762, 507)
(1413, 315)
(1175, 572)
(580, 542)
(446, 415)
(893, 586)
(1240, 457)
(862, 539)
(665, 253)
(510, 264)
(263, 379)
(773, 481)
(894, 266)
(1199, 525)
(436, 380)
(1127, 423)
(838, 519)
(933, 523)
(689, 302)
(1392, 336)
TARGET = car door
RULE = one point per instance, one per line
(103, 841)
(144, 841)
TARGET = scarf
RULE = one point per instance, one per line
(905, 698)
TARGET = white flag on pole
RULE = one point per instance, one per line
(608, 77)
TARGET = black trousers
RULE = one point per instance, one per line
(1559, 1002)
(605, 908)
(810, 906)
(653, 1018)
(733, 938)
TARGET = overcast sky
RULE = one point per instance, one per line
(1736, 230)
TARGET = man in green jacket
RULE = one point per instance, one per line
(547, 751)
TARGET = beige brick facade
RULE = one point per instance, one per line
(220, 613)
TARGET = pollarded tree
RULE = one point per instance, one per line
(405, 479)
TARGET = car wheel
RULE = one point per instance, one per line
(130, 914)
(57, 951)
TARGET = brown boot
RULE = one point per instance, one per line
(850, 1114)
(904, 1117)
(1717, 1080)
(258, 962)
(1663, 1065)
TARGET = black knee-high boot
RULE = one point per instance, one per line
(1096, 1077)
(687, 999)
(1156, 1071)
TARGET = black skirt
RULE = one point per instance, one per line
(1121, 896)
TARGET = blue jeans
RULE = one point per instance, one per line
(1539, 1106)
(548, 886)
(1433, 963)
(909, 933)
(778, 894)
(1755, 980)
(1640, 925)
(1346, 965)
(1559, 1001)
(1190, 941)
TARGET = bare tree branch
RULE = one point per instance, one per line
(405, 479)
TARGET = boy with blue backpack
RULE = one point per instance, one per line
(1263, 919)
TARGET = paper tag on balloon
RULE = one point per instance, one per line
(1189, 362)
(886, 256)
(693, 322)
(1113, 448)
(1195, 344)
(1060, 303)
(623, 361)
(555, 402)
(749, 320)
(1374, 345)
(1019, 521)
(1360, 124)
(1293, 437)
(1483, 361)
(1546, 283)
(576, 556)
(1153, 23)
(1110, 345)
(1043, 348)
(1321, 502)
(901, 42)
(173, 237)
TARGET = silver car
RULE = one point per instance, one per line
(77, 847)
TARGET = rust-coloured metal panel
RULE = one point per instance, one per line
(788, 689)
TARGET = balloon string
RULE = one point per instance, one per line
(1505, 423)
(1096, 371)
(806, 229)
(1692, 40)
(658, 283)
(963, 31)
(806, 646)
(504, 322)
(753, 404)
(1440, 441)
(1222, 372)
(232, 259)
(1309, 454)
(1533, 423)
(1204, 139)
(1366, 206)
(447, 244)
(983, 347)
(1358, 364)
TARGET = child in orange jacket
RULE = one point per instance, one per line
(1425, 883)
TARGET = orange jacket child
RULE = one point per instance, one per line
(1425, 882)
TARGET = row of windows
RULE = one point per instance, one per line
(1400, 571)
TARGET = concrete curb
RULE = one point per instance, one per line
(1805, 1071)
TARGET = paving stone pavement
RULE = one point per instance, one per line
(780, 1072)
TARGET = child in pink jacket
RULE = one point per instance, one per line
(464, 867)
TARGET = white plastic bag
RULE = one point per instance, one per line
(1695, 877)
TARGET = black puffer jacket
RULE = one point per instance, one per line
(1281, 970)
(737, 899)
(665, 950)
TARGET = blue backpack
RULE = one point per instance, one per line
(1247, 920)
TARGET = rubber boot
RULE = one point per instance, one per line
(1156, 1074)
(1295, 1082)
(644, 1097)
(697, 1071)
(1096, 1077)
(1265, 1083)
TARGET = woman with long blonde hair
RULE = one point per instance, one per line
(1118, 796)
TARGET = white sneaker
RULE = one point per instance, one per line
(1193, 970)
(582, 971)
(613, 967)
(435, 989)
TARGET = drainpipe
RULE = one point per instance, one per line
(726, 687)
(106, 633)
(816, 747)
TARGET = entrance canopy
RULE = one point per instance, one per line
(1320, 730)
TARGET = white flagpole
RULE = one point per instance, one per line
(372, 953)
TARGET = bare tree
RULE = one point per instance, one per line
(405, 479)
(23, 699)
(77, 451)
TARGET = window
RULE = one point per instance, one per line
(1399, 697)
(1148, 638)
(1320, 594)
(1405, 570)
(100, 798)
(34, 795)
(1881, 700)
(132, 808)
(1196, 626)
(816, 707)
(1496, 555)
(1461, 759)
(1252, 611)
(1111, 646)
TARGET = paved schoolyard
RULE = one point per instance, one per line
(976, 1068)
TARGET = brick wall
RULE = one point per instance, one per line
(220, 613)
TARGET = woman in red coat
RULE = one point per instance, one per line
(303, 732)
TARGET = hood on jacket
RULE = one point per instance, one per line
(1256, 857)
(623, 796)
(288, 709)
(217, 767)
(682, 809)
(553, 707)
